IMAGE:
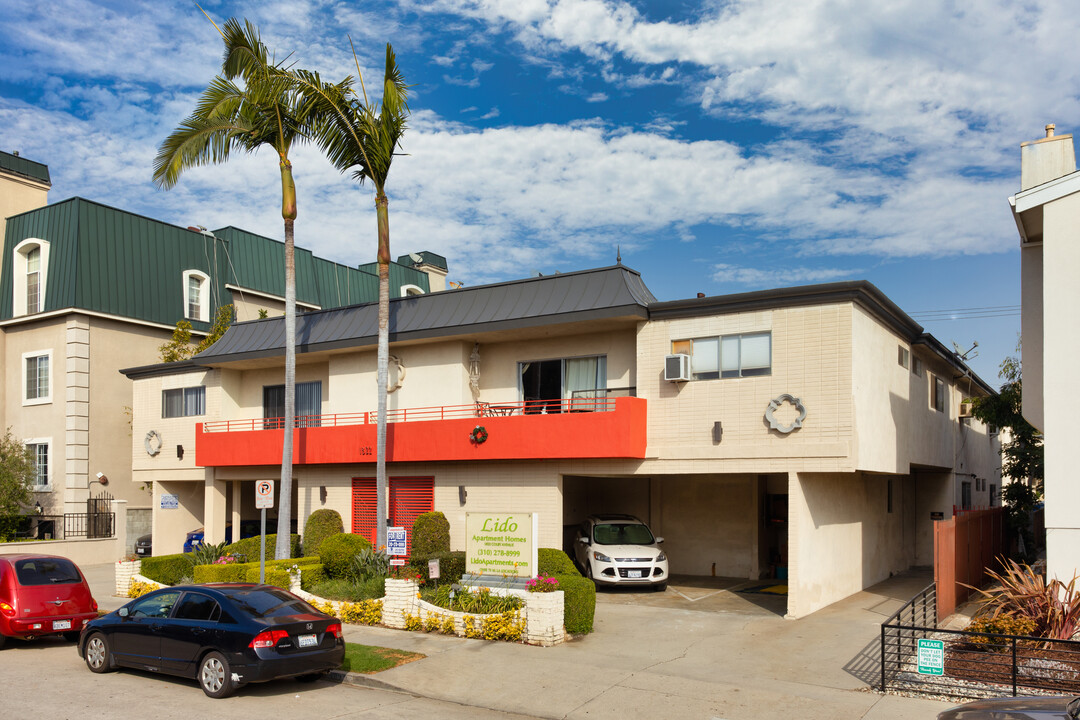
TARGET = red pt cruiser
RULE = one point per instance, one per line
(43, 595)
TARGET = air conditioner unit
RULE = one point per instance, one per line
(677, 368)
(965, 410)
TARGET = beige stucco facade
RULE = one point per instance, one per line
(837, 504)
(1047, 213)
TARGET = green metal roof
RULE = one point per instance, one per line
(427, 257)
(106, 260)
(26, 168)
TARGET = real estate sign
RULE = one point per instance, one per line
(931, 657)
(501, 543)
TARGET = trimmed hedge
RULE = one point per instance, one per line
(579, 603)
(337, 552)
(451, 566)
(311, 576)
(579, 593)
(249, 547)
(167, 569)
(555, 562)
(241, 572)
(320, 525)
(431, 534)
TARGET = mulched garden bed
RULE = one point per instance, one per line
(1050, 666)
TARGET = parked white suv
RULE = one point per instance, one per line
(620, 550)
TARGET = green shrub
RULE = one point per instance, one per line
(320, 525)
(451, 567)
(166, 569)
(337, 552)
(249, 547)
(431, 534)
(232, 572)
(579, 603)
(369, 563)
(372, 588)
(555, 562)
(1003, 625)
(310, 576)
(277, 576)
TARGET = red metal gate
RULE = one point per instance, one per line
(410, 497)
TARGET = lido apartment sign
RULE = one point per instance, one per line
(501, 543)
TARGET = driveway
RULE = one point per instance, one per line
(704, 594)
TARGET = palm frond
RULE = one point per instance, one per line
(199, 141)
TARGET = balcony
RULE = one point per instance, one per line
(534, 430)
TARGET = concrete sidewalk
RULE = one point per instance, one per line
(660, 661)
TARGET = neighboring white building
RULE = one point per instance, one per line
(815, 432)
(1047, 214)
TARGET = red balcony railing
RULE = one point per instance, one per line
(575, 428)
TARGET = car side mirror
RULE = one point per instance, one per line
(122, 612)
(583, 540)
(659, 540)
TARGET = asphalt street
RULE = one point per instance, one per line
(47, 679)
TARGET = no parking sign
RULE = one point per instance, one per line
(264, 494)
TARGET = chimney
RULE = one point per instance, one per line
(1046, 159)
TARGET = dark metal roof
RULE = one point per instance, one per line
(570, 297)
(27, 168)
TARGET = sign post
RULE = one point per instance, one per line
(264, 498)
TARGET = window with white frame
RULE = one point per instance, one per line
(30, 265)
(183, 402)
(39, 454)
(727, 356)
(902, 355)
(37, 385)
(196, 296)
(410, 290)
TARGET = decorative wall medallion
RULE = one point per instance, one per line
(774, 405)
(152, 443)
(400, 374)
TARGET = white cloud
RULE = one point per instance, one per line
(490, 114)
(597, 97)
(778, 277)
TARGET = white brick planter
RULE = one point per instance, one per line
(125, 571)
(543, 612)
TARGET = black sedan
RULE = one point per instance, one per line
(225, 635)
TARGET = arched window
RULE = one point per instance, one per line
(196, 295)
(30, 272)
(408, 290)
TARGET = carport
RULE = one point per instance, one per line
(732, 527)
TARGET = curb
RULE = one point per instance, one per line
(363, 680)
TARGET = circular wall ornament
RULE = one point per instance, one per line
(152, 443)
(774, 405)
(479, 435)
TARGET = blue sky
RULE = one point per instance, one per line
(724, 146)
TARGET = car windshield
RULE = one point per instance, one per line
(267, 603)
(46, 571)
(622, 534)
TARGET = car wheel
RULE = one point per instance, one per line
(97, 655)
(72, 636)
(310, 677)
(660, 587)
(3, 639)
(215, 677)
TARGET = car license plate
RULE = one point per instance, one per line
(61, 625)
(307, 641)
(140, 551)
(633, 573)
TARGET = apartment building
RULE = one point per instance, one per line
(813, 433)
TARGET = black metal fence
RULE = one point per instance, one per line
(66, 526)
(971, 664)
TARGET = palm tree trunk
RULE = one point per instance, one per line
(383, 362)
(283, 546)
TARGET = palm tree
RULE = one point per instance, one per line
(363, 137)
(264, 112)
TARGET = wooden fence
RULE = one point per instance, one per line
(965, 546)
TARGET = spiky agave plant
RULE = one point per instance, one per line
(1020, 591)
